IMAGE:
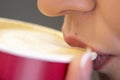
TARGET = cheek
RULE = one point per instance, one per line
(110, 11)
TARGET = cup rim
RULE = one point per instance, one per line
(39, 56)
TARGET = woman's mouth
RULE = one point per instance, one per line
(102, 58)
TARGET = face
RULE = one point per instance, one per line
(90, 23)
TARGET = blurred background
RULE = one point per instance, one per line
(26, 10)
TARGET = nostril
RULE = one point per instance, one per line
(57, 7)
(81, 5)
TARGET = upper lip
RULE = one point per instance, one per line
(102, 57)
(74, 42)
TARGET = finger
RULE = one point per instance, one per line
(80, 68)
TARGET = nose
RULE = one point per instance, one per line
(58, 7)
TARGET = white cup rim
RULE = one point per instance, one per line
(55, 57)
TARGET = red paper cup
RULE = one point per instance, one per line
(20, 65)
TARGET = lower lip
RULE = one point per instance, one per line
(101, 61)
(102, 58)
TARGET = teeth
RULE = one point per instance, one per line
(93, 54)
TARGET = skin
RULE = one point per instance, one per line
(94, 22)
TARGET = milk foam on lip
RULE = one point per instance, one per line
(93, 54)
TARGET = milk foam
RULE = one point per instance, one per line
(29, 40)
(34, 42)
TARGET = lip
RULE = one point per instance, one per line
(102, 60)
(102, 57)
